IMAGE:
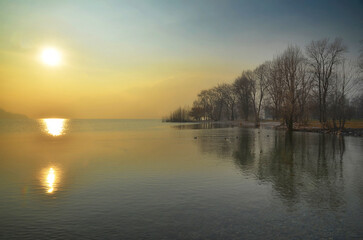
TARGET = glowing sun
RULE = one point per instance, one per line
(51, 56)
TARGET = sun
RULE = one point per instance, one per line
(51, 56)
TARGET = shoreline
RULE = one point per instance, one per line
(355, 132)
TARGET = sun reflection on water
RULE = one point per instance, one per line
(54, 126)
(50, 179)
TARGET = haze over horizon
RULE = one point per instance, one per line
(142, 59)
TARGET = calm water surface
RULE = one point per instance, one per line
(142, 179)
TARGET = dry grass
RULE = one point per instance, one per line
(348, 124)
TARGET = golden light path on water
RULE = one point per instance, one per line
(51, 180)
(54, 126)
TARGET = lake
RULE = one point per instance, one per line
(143, 179)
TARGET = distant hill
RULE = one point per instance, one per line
(7, 115)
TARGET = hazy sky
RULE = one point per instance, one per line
(142, 59)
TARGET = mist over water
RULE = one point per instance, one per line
(143, 179)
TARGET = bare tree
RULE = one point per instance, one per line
(292, 66)
(360, 58)
(258, 89)
(304, 94)
(218, 103)
(344, 84)
(206, 103)
(197, 112)
(242, 87)
(212, 102)
(357, 106)
(274, 87)
(230, 98)
(324, 57)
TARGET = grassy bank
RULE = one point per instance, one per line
(356, 124)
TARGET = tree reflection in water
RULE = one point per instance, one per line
(302, 167)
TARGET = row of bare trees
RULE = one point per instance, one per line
(179, 115)
(293, 87)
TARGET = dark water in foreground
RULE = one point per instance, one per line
(142, 179)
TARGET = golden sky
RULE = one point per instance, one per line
(137, 59)
(74, 89)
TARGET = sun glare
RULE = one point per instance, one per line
(51, 56)
(54, 126)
